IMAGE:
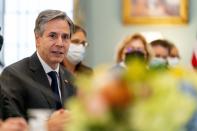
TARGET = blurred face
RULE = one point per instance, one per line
(136, 45)
(174, 52)
(76, 51)
(160, 52)
(53, 44)
(79, 38)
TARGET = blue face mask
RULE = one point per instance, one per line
(158, 63)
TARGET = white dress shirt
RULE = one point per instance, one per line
(48, 69)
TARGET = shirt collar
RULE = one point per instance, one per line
(46, 67)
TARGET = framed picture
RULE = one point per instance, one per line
(155, 11)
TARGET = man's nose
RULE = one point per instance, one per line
(59, 41)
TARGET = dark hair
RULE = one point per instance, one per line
(79, 28)
(48, 15)
(163, 43)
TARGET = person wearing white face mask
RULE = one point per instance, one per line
(76, 52)
(174, 57)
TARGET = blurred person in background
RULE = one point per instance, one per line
(73, 60)
(174, 57)
(133, 45)
(161, 52)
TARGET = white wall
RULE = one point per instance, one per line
(105, 29)
(1, 12)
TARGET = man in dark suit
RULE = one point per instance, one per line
(28, 81)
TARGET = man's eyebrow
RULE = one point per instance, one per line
(52, 32)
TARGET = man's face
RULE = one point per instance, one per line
(160, 52)
(53, 44)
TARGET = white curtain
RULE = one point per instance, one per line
(19, 22)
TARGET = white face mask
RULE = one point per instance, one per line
(173, 61)
(75, 53)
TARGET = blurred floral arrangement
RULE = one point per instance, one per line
(139, 99)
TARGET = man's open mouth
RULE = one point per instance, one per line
(57, 52)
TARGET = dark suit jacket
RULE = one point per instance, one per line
(27, 84)
(83, 69)
(7, 108)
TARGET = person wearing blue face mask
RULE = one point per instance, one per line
(161, 51)
(76, 52)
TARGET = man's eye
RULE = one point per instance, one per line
(66, 37)
(53, 36)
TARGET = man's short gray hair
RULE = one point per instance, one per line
(48, 15)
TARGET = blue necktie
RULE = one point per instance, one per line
(54, 86)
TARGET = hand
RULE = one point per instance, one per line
(58, 120)
(14, 124)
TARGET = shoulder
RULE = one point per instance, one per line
(22, 66)
(117, 70)
(17, 67)
(12, 75)
(81, 65)
(118, 66)
(81, 68)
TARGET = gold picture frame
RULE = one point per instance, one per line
(155, 11)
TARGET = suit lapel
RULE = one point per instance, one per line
(40, 77)
(67, 88)
(63, 85)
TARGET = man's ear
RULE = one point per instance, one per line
(37, 39)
